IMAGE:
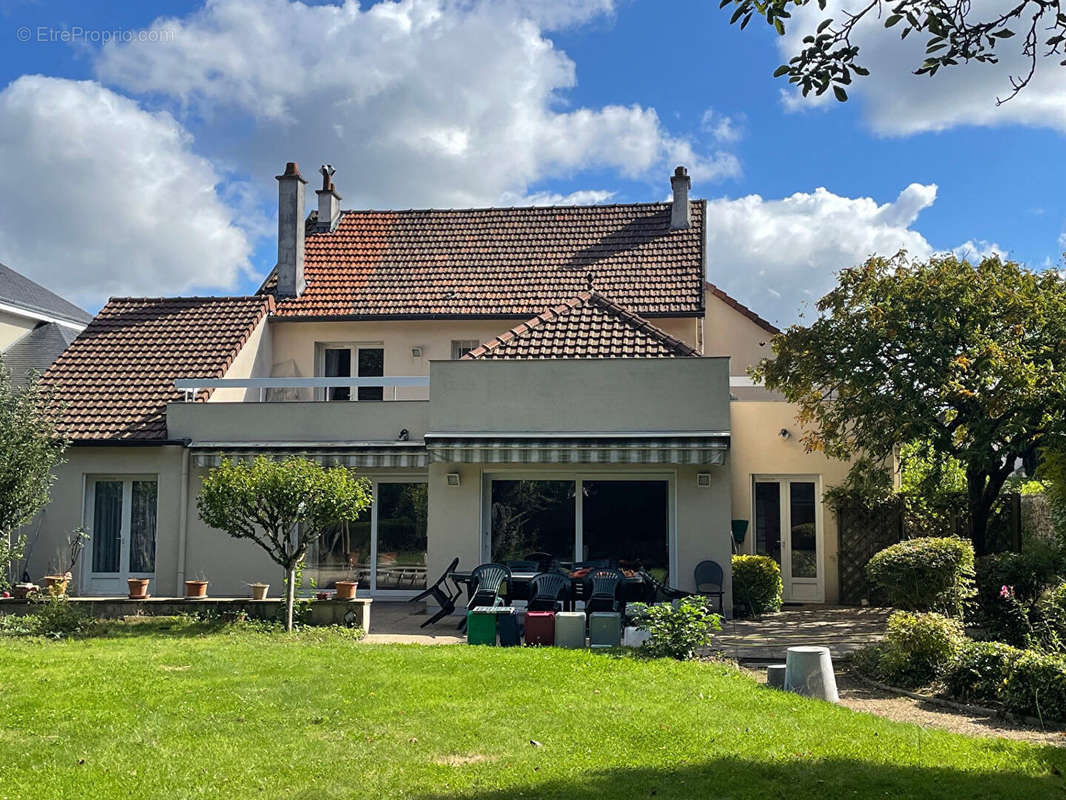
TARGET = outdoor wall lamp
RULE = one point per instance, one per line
(416, 352)
(785, 433)
(453, 479)
(703, 479)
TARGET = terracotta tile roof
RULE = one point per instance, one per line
(500, 262)
(115, 379)
(588, 326)
(766, 325)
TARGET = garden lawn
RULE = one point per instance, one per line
(149, 713)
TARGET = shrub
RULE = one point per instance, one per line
(1048, 619)
(757, 584)
(1037, 686)
(53, 616)
(676, 631)
(1008, 616)
(918, 648)
(925, 574)
(980, 670)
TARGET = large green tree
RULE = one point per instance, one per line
(30, 449)
(282, 506)
(956, 32)
(971, 359)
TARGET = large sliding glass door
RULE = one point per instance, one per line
(120, 518)
(386, 549)
(788, 528)
(588, 517)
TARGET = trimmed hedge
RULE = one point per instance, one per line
(756, 584)
(1037, 686)
(980, 671)
(925, 574)
(918, 648)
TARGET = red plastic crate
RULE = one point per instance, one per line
(540, 627)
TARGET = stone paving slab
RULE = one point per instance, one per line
(843, 629)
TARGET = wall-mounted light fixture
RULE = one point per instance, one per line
(785, 433)
(703, 479)
(416, 352)
(453, 479)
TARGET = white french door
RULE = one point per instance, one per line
(787, 510)
(120, 518)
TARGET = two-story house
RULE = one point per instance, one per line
(512, 380)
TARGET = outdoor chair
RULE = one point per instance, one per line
(486, 581)
(547, 591)
(443, 593)
(601, 588)
(709, 579)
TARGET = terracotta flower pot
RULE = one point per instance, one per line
(259, 590)
(195, 590)
(346, 590)
(56, 584)
(20, 591)
(138, 588)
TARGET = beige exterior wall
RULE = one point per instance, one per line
(253, 361)
(700, 515)
(14, 327)
(727, 332)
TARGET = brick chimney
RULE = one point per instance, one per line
(680, 183)
(329, 202)
(290, 231)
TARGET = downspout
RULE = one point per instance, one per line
(183, 517)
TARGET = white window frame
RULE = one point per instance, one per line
(87, 577)
(460, 343)
(789, 583)
(353, 348)
(578, 477)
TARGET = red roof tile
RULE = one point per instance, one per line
(115, 379)
(766, 325)
(500, 262)
(588, 326)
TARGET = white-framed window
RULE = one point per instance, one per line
(120, 518)
(352, 360)
(460, 347)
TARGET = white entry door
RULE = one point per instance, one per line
(120, 518)
(788, 528)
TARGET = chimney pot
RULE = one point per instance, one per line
(329, 202)
(679, 210)
(291, 206)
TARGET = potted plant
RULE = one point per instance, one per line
(56, 582)
(196, 588)
(346, 588)
(138, 588)
(259, 590)
(56, 585)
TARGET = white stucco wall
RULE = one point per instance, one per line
(14, 327)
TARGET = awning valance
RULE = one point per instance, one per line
(390, 455)
(619, 449)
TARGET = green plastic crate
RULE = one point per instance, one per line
(605, 629)
(481, 626)
(570, 629)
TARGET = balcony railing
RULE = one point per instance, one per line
(258, 387)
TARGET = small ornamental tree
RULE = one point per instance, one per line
(282, 506)
(30, 449)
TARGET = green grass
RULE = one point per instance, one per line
(147, 713)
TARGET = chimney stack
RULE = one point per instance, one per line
(290, 231)
(680, 183)
(329, 202)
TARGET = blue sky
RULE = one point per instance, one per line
(146, 166)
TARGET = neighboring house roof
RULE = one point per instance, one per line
(116, 378)
(588, 326)
(500, 262)
(766, 325)
(18, 290)
(36, 350)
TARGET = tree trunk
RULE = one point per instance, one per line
(290, 596)
(982, 489)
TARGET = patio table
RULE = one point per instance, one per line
(633, 588)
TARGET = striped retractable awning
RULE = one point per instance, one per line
(600, 450)
(412, 456)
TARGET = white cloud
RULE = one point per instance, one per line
(779, 255)
(582, 197)
(724, 128)
(416, 102)
(896, 102)
(976, 251)
(110, 199)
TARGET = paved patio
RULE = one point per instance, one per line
(842, 629)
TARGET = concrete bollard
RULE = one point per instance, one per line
(775, 676)
(809, 672)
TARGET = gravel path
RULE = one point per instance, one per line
(861, 697)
